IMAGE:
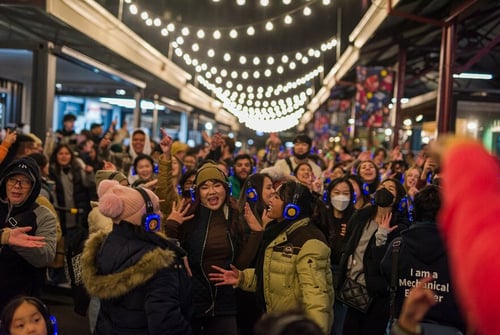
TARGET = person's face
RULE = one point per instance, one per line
(304, 174)
(138, 142)
(276, 206)
(28, 320)
(189, 162)
(267, 190)
(337, 173)
(242, 168)
(69, 125)
(144, 169)
(212, 194)
(359, 199)
(367, 172)
(380, 157)
(175, 168)
(97, 131)
(300, 148)
(340, 189)
(390, 186)
(63, 156)
(189, 183)
(18, 188)
(411, 178)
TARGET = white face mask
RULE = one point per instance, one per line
(340, 202)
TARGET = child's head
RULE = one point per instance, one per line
(26, 315)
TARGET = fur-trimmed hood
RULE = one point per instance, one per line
(113, 285)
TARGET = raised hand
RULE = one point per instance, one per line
(386, 222)
(224, 277)
(180, 210)
(10, 136)
(251, 220)
(165, 143)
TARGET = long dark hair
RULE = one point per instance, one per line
(347, 213)
(256, 182)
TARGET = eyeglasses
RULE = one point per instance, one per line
(21, 182)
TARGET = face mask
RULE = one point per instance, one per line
(340, 202)
(383, 197)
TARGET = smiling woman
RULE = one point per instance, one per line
(210, 231)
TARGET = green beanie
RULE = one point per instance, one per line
(207, 172)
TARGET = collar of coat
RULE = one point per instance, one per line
(283, 236)
(119, 283)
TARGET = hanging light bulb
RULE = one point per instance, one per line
(185, 31)
(270, 60)
(179, 40)
(244, 75)
(240, 2)
(250, 31)
(326, 2)
(157, 22)
(144, 15)
(195, 47)
(200, 33)
(307, 11)
(227, 57)
(256, 60)
(264, 3)
(133, 9)
(243, 60)
(171, 27)
(211, 53)
(217, 34)
(287, 2)
(284, 59)
(164, 32)
(269, 26)
(288, 19)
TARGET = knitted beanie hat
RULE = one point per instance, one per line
(124, 203)
(208, 172)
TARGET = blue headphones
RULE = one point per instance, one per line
(292, 210)
(150, 220)
(354, 197)
(251, 192)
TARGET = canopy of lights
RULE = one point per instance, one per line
(267, 92)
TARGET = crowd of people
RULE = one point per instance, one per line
(161, 238)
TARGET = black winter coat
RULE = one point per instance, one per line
(141, 281)
(422, 254)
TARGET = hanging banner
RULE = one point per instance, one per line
(374, 87)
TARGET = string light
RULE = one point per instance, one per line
(265, 114)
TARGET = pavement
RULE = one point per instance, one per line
(60, 303)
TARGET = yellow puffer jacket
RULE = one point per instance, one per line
(297, 274)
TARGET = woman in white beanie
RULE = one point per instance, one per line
(138, 274)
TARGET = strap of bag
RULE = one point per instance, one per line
(289, 163)
(396, 246)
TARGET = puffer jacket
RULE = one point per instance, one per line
(141, 282)
(296, 273)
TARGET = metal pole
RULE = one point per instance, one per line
(398, 94)
(444, 104)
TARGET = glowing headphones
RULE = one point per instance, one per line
(354, 197)
(292, 210)
(251, 192)
(50, 320)
(150, 220)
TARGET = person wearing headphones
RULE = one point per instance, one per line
(138, 274)
(27, 315)
(243, 165)
(292, 270)
(212, 234)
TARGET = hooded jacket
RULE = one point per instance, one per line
(422, 254)
(141, 282)
(22, 268)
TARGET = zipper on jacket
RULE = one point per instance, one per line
(212, 295)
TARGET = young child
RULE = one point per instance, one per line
(27, 315)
